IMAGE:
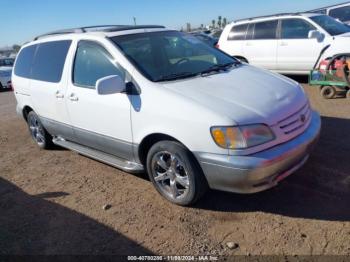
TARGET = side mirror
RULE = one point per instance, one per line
(315, 34)
(110, 85)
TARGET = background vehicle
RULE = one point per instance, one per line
(332, 76)
(8, 62)
(217, 33)
(285, 43)
(148, 98)
(6, 65)
(340, 11)
(208, 39)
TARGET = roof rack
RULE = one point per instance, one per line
(98, 28)
(265, 16)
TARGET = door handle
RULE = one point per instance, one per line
(59, 94)
(283, 44)
(248, 44)
(73, 97)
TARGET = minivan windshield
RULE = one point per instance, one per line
(332, 26)
(170, 55)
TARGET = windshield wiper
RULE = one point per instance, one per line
(176, 76)
(217, 68)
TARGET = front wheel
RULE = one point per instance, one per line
(175, 173)
(41, 137)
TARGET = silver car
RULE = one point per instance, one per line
(6, 65)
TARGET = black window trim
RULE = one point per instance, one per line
(75, 56)
(297, 18)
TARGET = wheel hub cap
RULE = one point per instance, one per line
(170, 174)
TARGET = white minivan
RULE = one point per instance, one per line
(147, 98)
(285, 43)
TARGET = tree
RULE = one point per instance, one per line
(224, 22)
(202, 26)
(16, 48)
(219, 21)
(213, 23)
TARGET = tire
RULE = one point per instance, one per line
(348, 94)
(39, 134)
(175, 173)
(328, 92)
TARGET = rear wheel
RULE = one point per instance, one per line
(40, 136)
(328, 92)
(348, 93)
(175, 173)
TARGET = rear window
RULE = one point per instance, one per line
(238, 32)
(24, 61)
(266, 30)
(49, 61)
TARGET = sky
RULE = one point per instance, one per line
(22, 20)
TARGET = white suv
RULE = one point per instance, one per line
(149, 98)
(285, 43)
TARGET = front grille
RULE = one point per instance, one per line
(295, 122)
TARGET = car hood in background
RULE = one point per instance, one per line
(6, 68)
(245, 94)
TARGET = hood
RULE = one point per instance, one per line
(6, 68)
(246, 94)
(339, 44)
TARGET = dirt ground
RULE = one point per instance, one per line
(51, 202)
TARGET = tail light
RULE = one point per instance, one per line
(217, 46)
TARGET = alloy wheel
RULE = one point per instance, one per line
(170, 175)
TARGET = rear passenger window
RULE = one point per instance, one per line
(250, 32)
(238, 32)
(295, 29)
(266, 30)
(24, 61)
(93, 62)
(49, 61)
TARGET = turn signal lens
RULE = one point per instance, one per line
(242, 137)
(219, 137)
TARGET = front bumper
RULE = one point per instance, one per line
(4, 82)
(263, 170)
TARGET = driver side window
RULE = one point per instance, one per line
(91, 63)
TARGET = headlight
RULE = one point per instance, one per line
(240, 137)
